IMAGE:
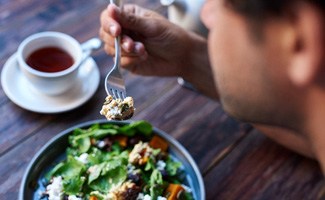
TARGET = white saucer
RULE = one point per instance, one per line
(16, 88)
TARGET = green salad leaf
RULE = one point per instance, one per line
(141, 127)
(107, 174)
(82, 144)
(95, 172)
(68, 169)
(98, 162)
(73, 185)
(109, 178)
(156, 184)
(172, 166)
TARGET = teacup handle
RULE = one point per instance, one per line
(89, 46)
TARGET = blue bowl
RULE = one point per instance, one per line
(54, 151)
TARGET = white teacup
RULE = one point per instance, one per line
(60, 80)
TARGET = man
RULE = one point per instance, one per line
(265, 61)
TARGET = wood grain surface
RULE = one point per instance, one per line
(236, 161)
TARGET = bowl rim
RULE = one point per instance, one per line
(63, 133)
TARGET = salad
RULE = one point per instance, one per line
(112, 162)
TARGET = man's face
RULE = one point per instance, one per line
(248, 73)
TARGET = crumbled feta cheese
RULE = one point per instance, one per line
(161, 165)
(131, 168)
(101, 144)
(147, 197)
(117, 109)
(55, 189)
(73, 197)
(141, 196)
(83, 158)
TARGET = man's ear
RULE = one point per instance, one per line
(307, 52)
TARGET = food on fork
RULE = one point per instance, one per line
(117, 109)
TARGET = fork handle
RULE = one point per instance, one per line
(116, 2)
(117, 39)
(117, 51)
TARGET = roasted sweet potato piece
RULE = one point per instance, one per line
(93, 198)
(158, 143)
(173, 191)
(122, 140)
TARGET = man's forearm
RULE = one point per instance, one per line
(199, 72)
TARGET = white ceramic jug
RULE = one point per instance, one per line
(186, 13)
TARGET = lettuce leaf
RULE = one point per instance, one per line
(110, 173)
(172, 166)
(68, 169)
(112, 177)
(141, 127)
(73, 185)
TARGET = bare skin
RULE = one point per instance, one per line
(146, 54)
(272, 84)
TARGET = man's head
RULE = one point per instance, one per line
(266, 57)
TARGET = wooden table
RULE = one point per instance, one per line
(236, 161)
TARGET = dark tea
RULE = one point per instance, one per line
(50, 59)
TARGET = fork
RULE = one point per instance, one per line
(114, 82)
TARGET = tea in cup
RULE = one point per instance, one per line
(50, 61)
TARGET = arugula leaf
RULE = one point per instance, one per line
(100, 133)
(113, 177)
(80, 137)
(186, 196)
(141, 127)
(150, 165)
(95, 133)
(73, 185)
(72, 152)
(156, 177)
(113, 164)
(82, 144)
(69, 168)
(109, 173)
(96, 156)
(156, 191)
(51, 173)
(109, 126)
(156, 184)
(95, 172)
(78, 131)
(172, 166)
(94, 126)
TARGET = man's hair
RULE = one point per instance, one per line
(259, 11)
